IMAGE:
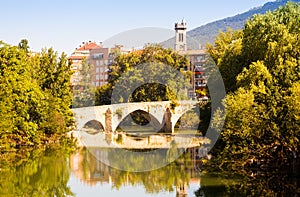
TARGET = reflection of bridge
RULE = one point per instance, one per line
(92, 167)
(167, 113)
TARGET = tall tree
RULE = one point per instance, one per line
(35, 97)
(151, 62)
(226, 53)
(19, 99)
(53, 75)
(262, 115)
(24, 45)
(84, 91)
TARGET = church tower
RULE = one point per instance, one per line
(180, 36)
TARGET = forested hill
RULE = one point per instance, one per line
(206, 33)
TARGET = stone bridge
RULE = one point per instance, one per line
(167, 113)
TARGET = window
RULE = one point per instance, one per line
(97, 77)
(200, 58)
(199, 76)
(180, 37)
(98, 56)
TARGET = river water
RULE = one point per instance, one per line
(56, 172)
(53, 172)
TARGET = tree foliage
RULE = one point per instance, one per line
(24, 45)
(35, 97)
(152, 59)
(84, 91)
(226, 53)
(262, 112)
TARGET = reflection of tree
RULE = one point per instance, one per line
(172, 153)
(41, 173)
(163, 179)
(245, 185)
(266, 185)
(178, 174)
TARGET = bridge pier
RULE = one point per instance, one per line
(167, 123)
(108, 121)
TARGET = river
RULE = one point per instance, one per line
(57, 172)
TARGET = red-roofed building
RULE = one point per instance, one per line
(97, 56)
(88, 46)
(79, 54)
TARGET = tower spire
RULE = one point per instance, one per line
(180, 36)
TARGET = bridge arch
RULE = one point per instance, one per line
(93, 127)
(188, 121)
(121, 111)
(186, 113)
(139, 119)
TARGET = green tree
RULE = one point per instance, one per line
(19, 99)
(152, 58)
(226, 54)
(84, 91)
(53, 75)
(262, 115)
(24, 45)
(35, 97)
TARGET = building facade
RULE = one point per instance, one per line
(197, 60)
(77, 57)
(98, 58)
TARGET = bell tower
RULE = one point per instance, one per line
(180, 36)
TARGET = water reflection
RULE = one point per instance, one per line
(35, 173)
(174, 177)
(134, 153)
(177, 177)
(55, 172)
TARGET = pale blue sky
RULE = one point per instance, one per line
(64, 24)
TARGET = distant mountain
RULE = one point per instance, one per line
(207, 33)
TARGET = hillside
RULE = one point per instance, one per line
(206, 33)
